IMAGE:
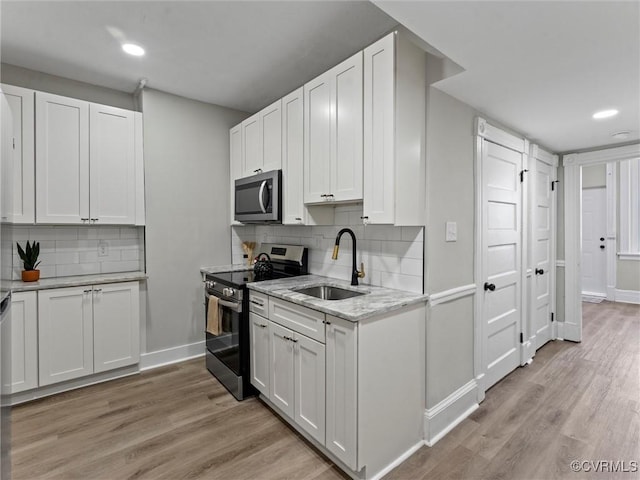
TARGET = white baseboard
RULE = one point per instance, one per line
(397, 461)
(441, 419)
(628, 296)
(168, 356)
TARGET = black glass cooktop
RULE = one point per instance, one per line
(239, 279)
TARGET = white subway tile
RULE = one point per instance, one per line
(76, 244)
(64, 257)
(128, 255)
(47, 271)
(88, 256)
(113, 267)
(411, 266)
(77, 269)
(42, 233)
(129, 232)
(66, 233)
(398, 281)
(411, 234)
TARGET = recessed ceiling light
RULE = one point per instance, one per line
(605, 114)
(133, 49)
(621, 135)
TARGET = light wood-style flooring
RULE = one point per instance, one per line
(574, 402)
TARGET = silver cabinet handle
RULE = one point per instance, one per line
(257, 170)
(94, 220)
(293, 340)
(257, 303)
(84, 220)
(261, 325)
(87, 291)
(263, 185)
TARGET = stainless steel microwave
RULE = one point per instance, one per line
(258, 198)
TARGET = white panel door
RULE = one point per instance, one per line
(112, 165)
(318, 114)
(501, 260)
(271, 125)
(62, 159)
(236, 167)
(281, 363)
(309, 385)
(65, 334)
(293, 159)
(24, 342)
(346, 157)
(116, 325)
(21, 103)
(543, 252)
(379, 131)
(252, 145)
(342, 388)
(260, 371)
(594, 234)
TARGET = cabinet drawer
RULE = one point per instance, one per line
(299, 319)
(259, 303)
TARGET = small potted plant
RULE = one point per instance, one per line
(29, 257)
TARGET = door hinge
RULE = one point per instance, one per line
(521, 338)
(553, 184)
(522, 175)
(552, 319)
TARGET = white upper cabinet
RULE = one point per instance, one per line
(262, 140)
(394, 125)
(21, 103)
(294, 211)
(112, 160)
(89, 165)
(333, 134)
(62, 159)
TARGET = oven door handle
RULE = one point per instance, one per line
(236, 307)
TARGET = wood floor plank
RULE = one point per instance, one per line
(576, 401)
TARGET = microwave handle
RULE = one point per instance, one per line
(263, 185)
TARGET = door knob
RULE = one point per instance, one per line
(539, 271)
(489, 286)
(602, 247)
(602, 239)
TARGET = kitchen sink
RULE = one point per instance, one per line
(328, 292)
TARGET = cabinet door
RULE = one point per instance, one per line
(346, 133)
(281, 363)
(292, 159)
(317, 138)
(342, 385)
(252, 145)
(309, 384)
(62, 159)
(112, 165)
(379, 131)
(65, 334)
(24, 342)
(235, 167)
(260, 370)
(271, 125)
(116, 325)
(21, 103)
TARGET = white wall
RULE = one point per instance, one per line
(44, 82)
(186, 154)
(449, 265)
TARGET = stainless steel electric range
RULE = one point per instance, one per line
(227, 354)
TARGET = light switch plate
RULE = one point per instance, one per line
(451, 230)
(103, 248)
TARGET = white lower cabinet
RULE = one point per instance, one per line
(116, 326)
(259, 333)
(356, 390)
(342, 388)
(85, 330)
(24, 342)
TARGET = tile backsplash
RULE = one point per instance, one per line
(393, 256)
(81, 250)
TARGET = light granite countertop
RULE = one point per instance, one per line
(378, 300)
(237, 267)
(77, 280)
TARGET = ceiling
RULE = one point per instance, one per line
(541, 68)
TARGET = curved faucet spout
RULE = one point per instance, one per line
(355, 274)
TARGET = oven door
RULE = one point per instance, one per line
(226, 345)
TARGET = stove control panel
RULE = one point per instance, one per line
(228, 291)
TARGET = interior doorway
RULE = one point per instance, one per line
(594, 255)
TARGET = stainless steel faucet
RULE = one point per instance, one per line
(355, 274)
